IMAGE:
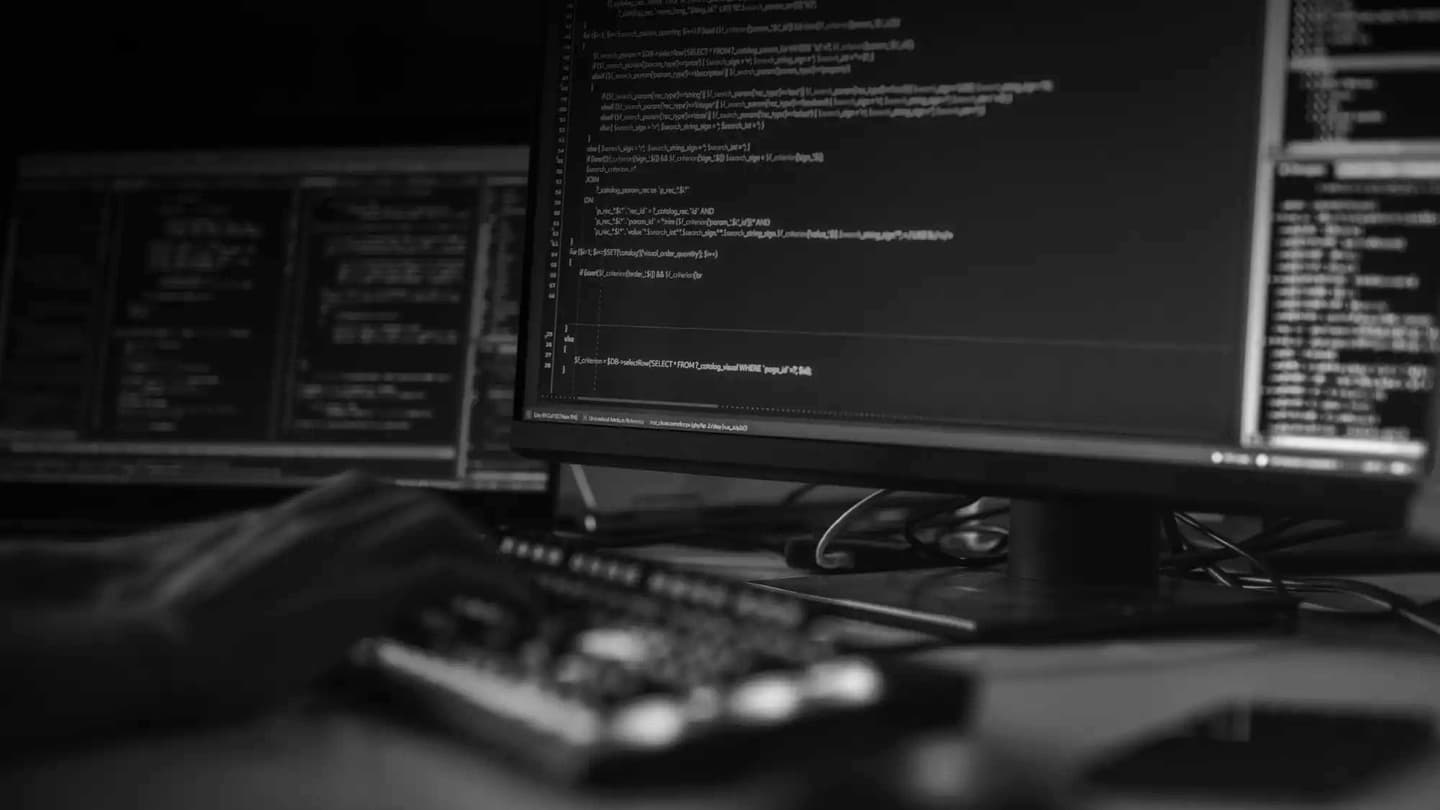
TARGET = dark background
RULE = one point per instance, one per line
(269, 72)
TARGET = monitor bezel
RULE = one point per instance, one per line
(80, 510)
(932, 469)
(1380, 499)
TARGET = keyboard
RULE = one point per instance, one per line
(638, 671)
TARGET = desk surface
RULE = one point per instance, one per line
(1050, 707)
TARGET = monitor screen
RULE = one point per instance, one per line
(264, 318)
(1027, 243)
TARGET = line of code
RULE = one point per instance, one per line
(1354, 305)
(909, 199)
(1364, 70)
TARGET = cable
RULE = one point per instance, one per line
(1281, 526)
(1260, 565)
(1173, 537)
(1265, 541)
(968, 523)
(841, 559)
(944, 509)
(1274, 539)
(1402, 606)
(960, 520)
(1419, 620)
(793, 496)
(937, 551)
(1177, 540)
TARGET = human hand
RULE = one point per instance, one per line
(247, 609)
(269, 600)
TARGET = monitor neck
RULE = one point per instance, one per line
(1081, 541)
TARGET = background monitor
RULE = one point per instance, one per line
(1126, 249)
(262, 319)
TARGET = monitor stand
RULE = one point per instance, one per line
(1076, 568)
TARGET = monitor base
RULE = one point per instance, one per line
(968, 605)
(1077, 567)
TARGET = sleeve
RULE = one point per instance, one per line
(70, 675)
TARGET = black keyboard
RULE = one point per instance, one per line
(639, 671)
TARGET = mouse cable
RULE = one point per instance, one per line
(840, 559)
(1402, 606)
(793, 496)
(1180, 544)
(1261, 542)
(1260, 565)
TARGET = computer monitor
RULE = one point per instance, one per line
(257, 320)
(1081, 254)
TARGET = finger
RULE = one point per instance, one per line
(427, 529)
(195, 574)
(275, 554)
(376, 599)
(154, 557)
(424, 526)
(413, 531)
(174, 536)
(396, 526)
(260, 537)
(334, 520)
(291, 644)
(345, 488)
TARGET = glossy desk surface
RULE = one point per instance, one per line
(1049, 708)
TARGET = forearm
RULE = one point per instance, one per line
(68, 675)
